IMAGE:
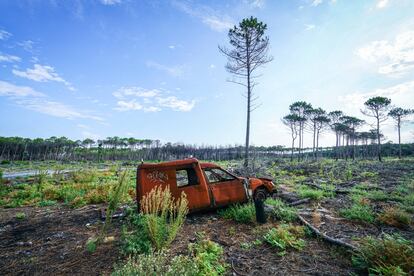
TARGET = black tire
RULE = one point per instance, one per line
(260, 194)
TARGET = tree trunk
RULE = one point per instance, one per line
(379, 140)
(399, 137)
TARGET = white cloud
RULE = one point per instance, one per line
(382, 4)
(11, 90)
(111, 2)
(172, 47)
(128, 105)
(55, 109)
(309, 27)
(211, 18)
(42, 73)
(257, 3)
(175, 71)
(176, 104)
(149, 100)
(27, 45)
(400, 95)
(9, 58)
(396, 58)
(4, 35)
(28, 98)
(135, 91)
(212, 66)
(316, 3)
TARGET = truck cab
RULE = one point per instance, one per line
(206, 185)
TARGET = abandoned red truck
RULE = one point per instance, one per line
(206, 185)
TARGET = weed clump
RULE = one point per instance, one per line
(395, 216)
(164, 216)
(281, 211)
(208, 257)
(245, 213)
(306, 192)
(286, 236)
(360, 212)
(391, 255)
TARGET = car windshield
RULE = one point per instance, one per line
(218, 175)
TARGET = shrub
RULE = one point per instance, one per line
(135, 238)
(285, 236)
(20, 216)
(245, 213)
(208, 257)
(306, 192)
(46, 202)
(158, 263)
(386, 256)
(281, 211)
(394, 216)
(164, 215)
(91, 245)
(361, 212)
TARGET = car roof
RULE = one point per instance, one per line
(173, 163)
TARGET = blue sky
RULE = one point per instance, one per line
(152, 69)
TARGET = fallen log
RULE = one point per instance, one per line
(326, 237)
(299, 202)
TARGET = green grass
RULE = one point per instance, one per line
(245, 213)
(285, 236)
(20, 216)
(391, 255)
(307, 192)
(359, 212)
(79, 189)
(281, 211)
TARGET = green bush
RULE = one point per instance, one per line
(306, 192)
(245, 213)
(157, 264)
(361, 212)
(387, 256)
(135, 238)
(20, 216)
(281, 211)
(285, 236)
(208, 257)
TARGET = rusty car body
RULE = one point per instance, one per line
(206, 185)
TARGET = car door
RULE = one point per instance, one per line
(225, 187)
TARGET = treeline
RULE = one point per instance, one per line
(304, 117)
(131, 149)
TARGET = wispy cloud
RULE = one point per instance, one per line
(401, 94)
(9, 58)
(42, 73)
(212, 18)
(28, 98)
(4, 34)
(256, 3)
(55, 109)
(316, 3)
(394, 58)
(149, 100)
(111, 2)
(382, 4)
(11, 90)
(309, 27)
(27, 45)
(175, 71)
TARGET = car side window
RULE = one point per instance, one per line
(186, 177)
(218, 175)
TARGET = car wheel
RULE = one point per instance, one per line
(260, 194)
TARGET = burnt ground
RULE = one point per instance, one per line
(51, 241)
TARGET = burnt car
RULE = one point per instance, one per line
(206, 185)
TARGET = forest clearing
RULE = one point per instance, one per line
(48, 222)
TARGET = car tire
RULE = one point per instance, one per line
(260, 194)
